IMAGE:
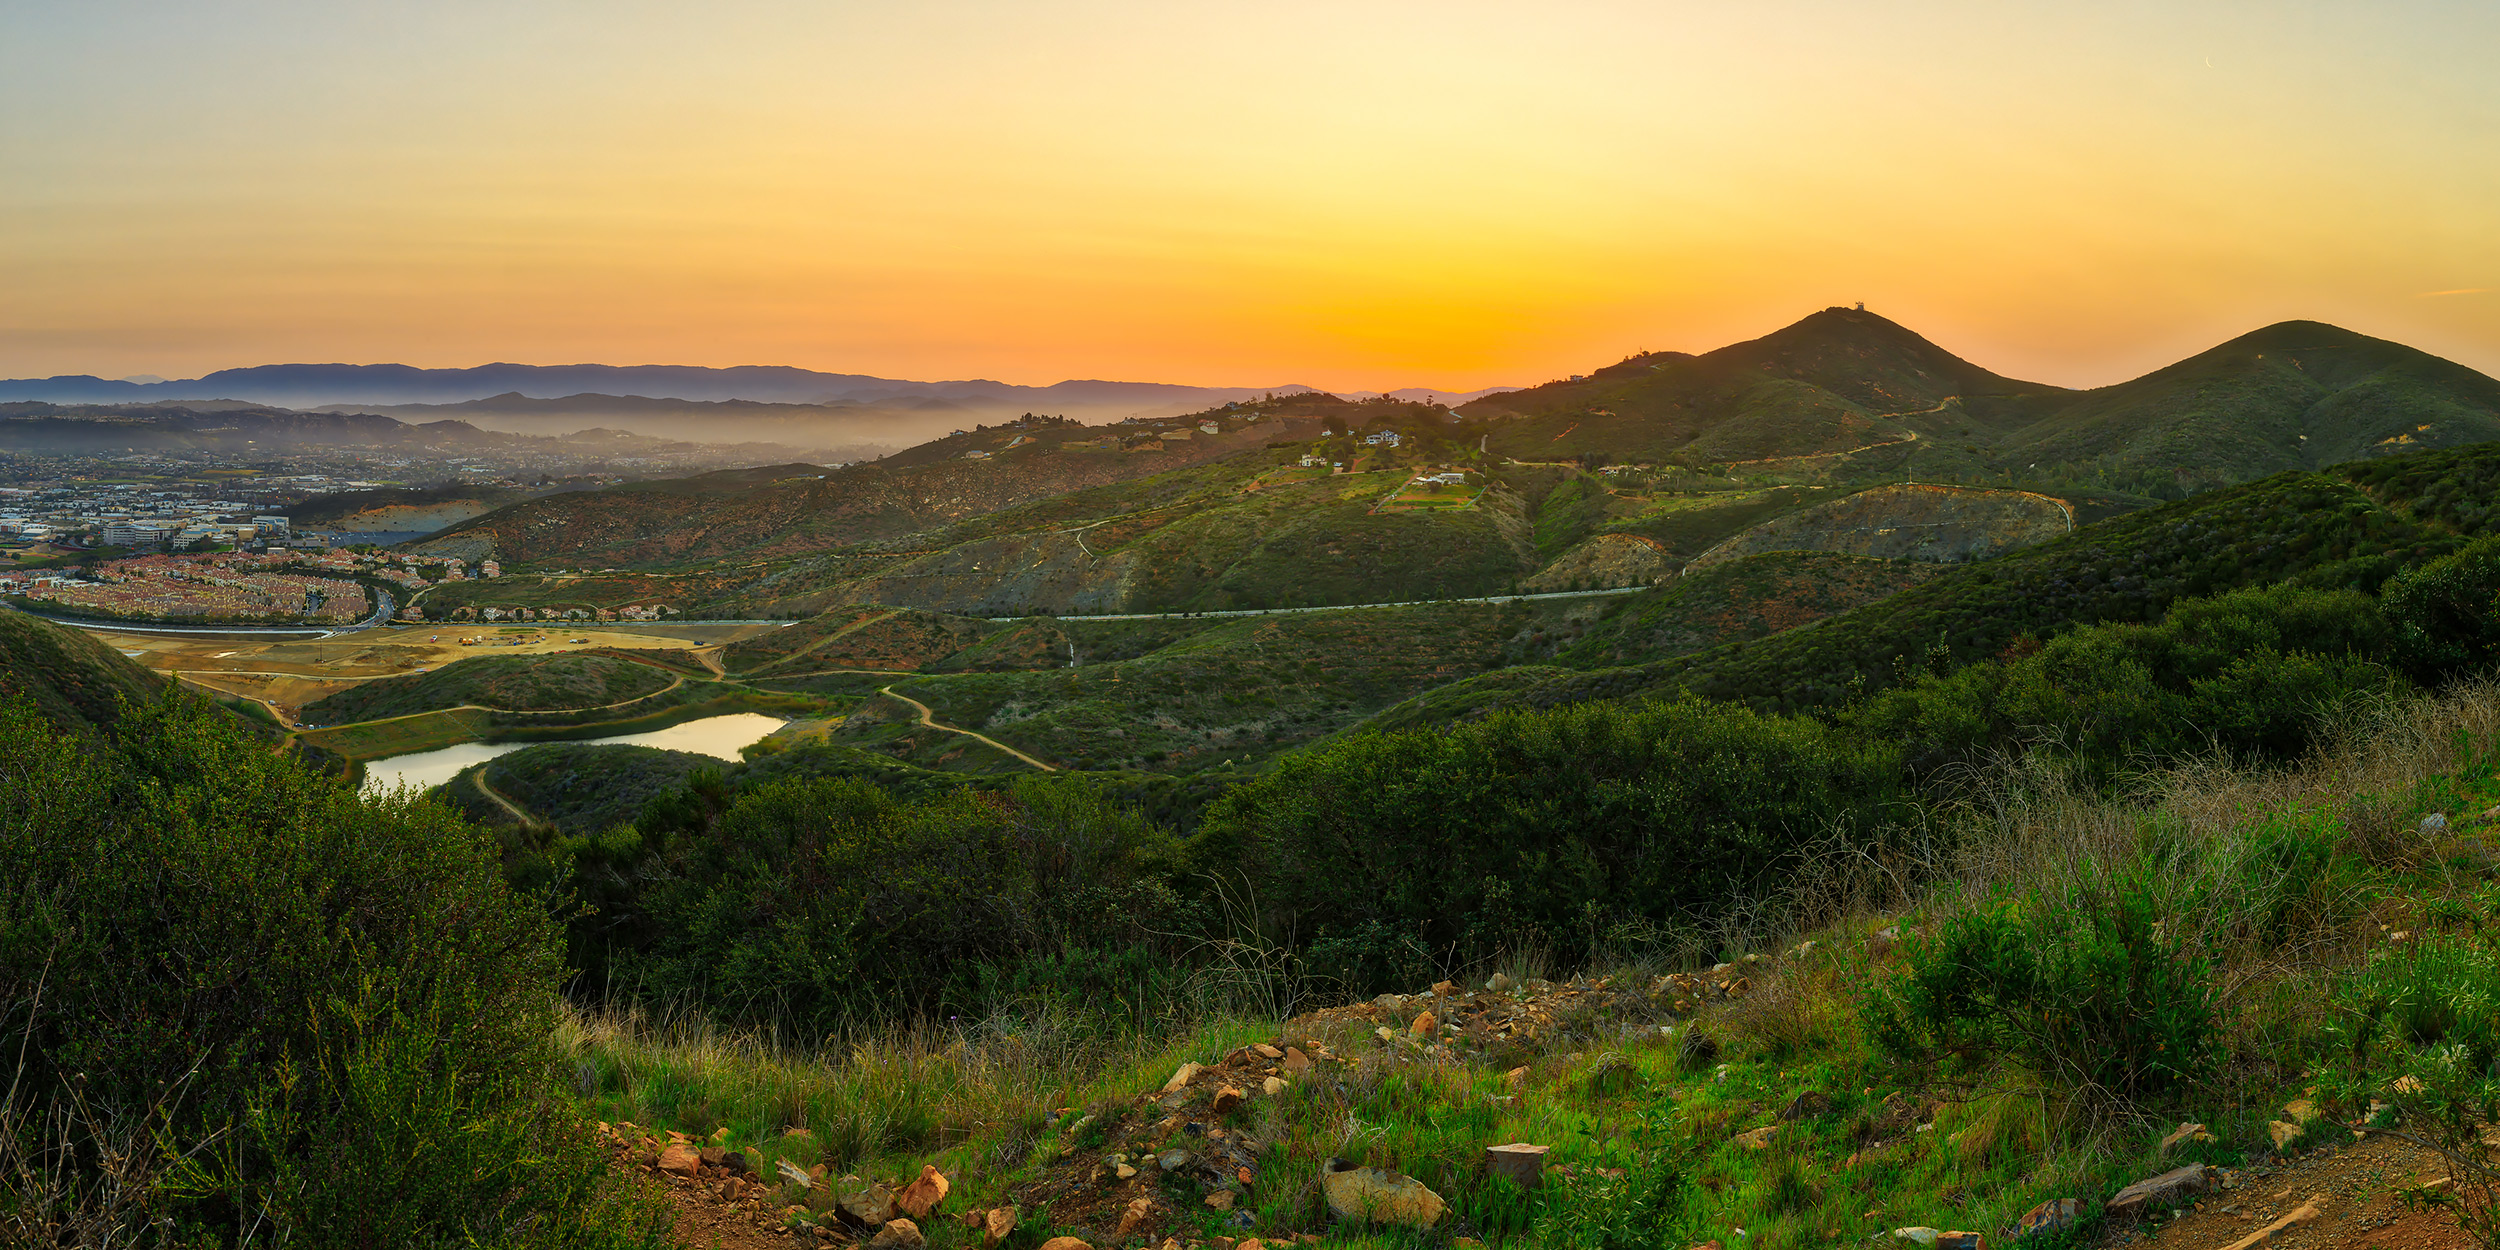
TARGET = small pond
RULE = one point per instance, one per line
(718, 736)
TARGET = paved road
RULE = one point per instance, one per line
(931, 721)
(381, 614)
(1339, 607)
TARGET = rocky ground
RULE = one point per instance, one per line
(1122, 1173)
(2338, 1198)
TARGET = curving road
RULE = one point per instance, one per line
(928, 719)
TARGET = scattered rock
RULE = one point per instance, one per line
(898, 1235)
(1226, 1099)
(1268, 1052)
(2166, 1190)
(1758, 1139)
(2048, 1217)
(1516, 1079)
(1951, 1240)
(678, 1159)
(1501, 983)
(2300, 1110)
(1888, 935)
(1813, 1102)
(997, 1224)
(1443, 989)
(1424, 1025)
(1803, 949)
(1140, 1212)
(1272, 1086)
(1122, 1171)
(1181, 1078)
(2185, 1134)
(2282, 1133)
(1172, 1160)
(922, 1196)
(1295, 1060)
(1918, 1234)
(1221, 1200)
(1065, 1243)
(866, 1201)
(1385, 1033)
(1521, 1163)
(1361, 1193)
(2433, 825)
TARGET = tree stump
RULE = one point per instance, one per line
(1519, 1162)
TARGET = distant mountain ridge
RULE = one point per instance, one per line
(317, 385)
(1847, 384)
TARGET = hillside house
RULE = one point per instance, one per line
(1209, 427)
(1384, 438)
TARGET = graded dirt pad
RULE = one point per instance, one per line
(296, 672)
(2353, 1188)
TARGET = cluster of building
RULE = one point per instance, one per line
(281, 584)
(124, 515)
(631, 612)
(238, 588)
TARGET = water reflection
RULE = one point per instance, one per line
(717, 736)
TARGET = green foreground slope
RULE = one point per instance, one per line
(75, 680)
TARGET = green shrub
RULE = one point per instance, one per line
(238, 980)
(2417, 1033)
(1388, 852)
(2254, 673)
(815, 901)
(2445, 612)
(2087, 993)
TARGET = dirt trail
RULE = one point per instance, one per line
(931, 721)
(847, 630)
(503, 801)
(2353, 1188)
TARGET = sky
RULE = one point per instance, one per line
(1349, 194)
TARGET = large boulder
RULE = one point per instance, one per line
(1379, 1195)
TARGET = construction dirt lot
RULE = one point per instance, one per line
(287, 673)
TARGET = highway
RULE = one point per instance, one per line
(1338, 607)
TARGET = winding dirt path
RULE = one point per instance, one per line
(513, 809)
(931, 721)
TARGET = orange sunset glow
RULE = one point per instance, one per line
(1344, 195)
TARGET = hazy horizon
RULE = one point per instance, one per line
(1356, 197)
